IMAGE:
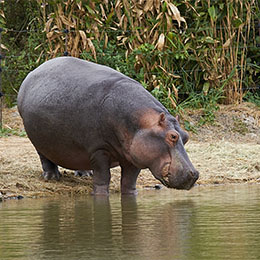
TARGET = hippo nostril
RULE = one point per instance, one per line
(194, 174)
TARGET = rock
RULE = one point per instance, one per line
(157, 186)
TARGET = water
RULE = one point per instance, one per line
(208, 222)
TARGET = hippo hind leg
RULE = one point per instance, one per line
(50, 170)
(83, 173)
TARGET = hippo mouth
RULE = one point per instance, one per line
(167, 180)
(185, 186)
(165, 175)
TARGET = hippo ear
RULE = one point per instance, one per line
(162, 119)
(178, 118)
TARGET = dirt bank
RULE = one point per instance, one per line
(226, 152)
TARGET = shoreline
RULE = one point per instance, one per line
(219, 162)
(225, 152)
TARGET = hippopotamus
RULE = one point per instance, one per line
(85, 116)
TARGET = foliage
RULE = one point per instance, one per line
(180, 48)
(21, 44)
(195, 53)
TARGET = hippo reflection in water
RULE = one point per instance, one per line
(85, 116)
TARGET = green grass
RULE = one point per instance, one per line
(5, 132)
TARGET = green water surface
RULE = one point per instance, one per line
(207, 222)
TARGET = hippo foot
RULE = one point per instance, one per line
(101, 190)
(48, 175)
(79, 173)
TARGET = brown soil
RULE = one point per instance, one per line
(226, 152)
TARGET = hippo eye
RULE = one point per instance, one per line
(174, 137)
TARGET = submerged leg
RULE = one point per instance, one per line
(129, 174)
(101, 174)
(50, 170)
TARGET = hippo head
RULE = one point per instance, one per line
(159, 146)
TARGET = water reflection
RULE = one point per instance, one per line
(205, 223)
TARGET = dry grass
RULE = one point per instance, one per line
(225, 162)
(220, 154)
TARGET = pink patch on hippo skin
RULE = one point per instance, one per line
(165, 170)
(149, 118)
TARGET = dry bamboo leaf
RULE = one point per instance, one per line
(130, 46)
(92, 48)
(37, 47)
(96, 31)
(118, 7)
(176, 14)
(66, 21)
(2, 13)
(171, 99)
(56, 50)
(120, 37)
(84, 38)
(153, 29)
(80, 6)
(228, 41)
(68, 3)
(106, 40)
(155, 37)
(98, 21)
(126, 54)
(39, 58)
(48, 24)
(49, 34)
(139, 13)
(75, 45)
(106, 2)
(168, 73)
(103, 11)
(121, 21)
(59, 23)
(60, 11)
(190, 5)
(138, 36)
(113, 28)
(175, 91)
(169, 22)
(125, 20)
(159, 16)
(4, 47)
(148, 5)
(157, 4)
(160, 43)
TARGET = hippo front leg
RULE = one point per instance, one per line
(129, 174)
(101, 172)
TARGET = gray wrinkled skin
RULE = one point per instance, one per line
(85, 116)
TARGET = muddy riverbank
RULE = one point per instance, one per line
(226, 152)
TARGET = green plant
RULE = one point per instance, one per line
(183, 52)
(23, 44)
(253, 97)
(4, 132)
